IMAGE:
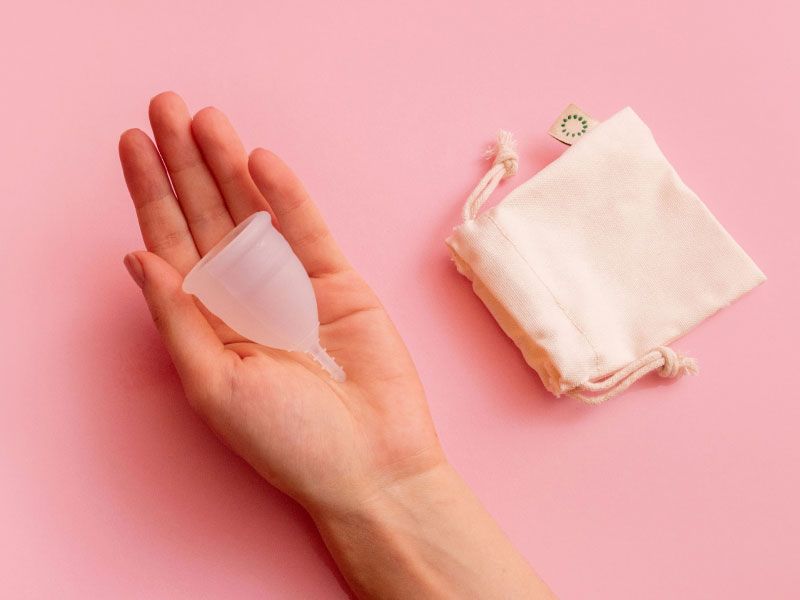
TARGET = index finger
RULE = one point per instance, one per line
(164, 228)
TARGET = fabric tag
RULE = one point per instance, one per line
(571, 125)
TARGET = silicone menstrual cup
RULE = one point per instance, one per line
(254, 282)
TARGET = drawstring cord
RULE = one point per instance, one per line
(506, 164)
(664, 359)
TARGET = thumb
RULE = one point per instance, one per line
(194, 347)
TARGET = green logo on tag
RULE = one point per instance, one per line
(573, 125)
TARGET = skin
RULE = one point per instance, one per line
(361, 456)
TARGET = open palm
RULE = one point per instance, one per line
(327, 444)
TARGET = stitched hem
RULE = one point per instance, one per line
(561, 307)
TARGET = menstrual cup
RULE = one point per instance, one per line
(254, 282)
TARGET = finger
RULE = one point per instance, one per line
(164, 229)
(197, 192)
(300, 220)
(226, 157)
(194, 347)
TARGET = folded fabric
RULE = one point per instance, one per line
(597, 263)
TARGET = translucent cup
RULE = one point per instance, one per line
(254, 282)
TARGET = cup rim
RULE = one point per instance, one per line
(229, 240)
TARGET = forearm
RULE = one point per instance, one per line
(427, 537)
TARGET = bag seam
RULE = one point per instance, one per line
(549, 291)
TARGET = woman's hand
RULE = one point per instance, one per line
(361, 456)
(327, 444)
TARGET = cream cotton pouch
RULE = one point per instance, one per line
(601, 260)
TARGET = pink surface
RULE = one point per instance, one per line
(111, 487)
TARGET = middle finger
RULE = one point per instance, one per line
(200, 199)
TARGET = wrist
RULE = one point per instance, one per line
(366, 497)
(404, 494)
(426, 535)
(391, 527)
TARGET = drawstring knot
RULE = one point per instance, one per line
(665, 360)
(504, 153)
(505, 164)
(675, 365)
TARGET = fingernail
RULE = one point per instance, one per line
(134, 266)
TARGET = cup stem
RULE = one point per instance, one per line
(325, 360)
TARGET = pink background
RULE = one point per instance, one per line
(111, 487)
